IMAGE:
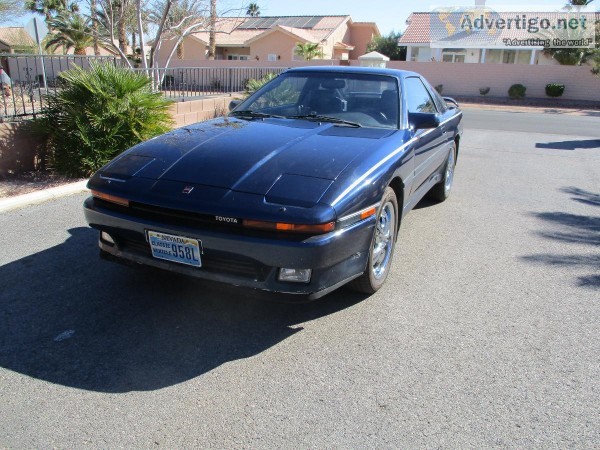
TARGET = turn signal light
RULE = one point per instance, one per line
(110, 198)
(368, 212)
(290, 227)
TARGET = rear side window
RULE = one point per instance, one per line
(417, 97)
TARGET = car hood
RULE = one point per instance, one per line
(248, 156)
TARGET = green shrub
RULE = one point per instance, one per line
(517, 91)
(484, 91)
(439, 88)
(98, 114)
(555, 90)
(253, 84)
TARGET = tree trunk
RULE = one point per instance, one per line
(212, 38)
(93, 8)
(157, 39)
(121, 34)
(140, 23)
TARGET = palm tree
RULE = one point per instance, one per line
(309, 51)
(253, 10)
(10, 10)
(71, 31)
(212, 38)
(572, 56)
(571, 3)
(94, 19)
(46, 7)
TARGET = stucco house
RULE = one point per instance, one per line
(15, 40)
(275, 38)
(477, 42)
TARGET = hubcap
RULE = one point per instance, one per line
(384, 240)
(449, 172)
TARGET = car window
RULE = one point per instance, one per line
(417, 97)
(367, 100)
(441, 104)
(284, 91)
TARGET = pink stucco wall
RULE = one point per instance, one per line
(458, 79)
(466, 79)
(361, 36)
(193, 52)
(276, 43)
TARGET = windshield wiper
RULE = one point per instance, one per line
(331, 119)
(253, 114)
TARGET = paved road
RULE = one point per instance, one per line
(553, 122)
(486, 334)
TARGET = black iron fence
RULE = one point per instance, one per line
(184, 82)
(25, 80)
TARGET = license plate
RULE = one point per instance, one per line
(177, 249)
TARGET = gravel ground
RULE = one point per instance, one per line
(24, 183)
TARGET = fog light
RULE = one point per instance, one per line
(106, 237)
(295, 275)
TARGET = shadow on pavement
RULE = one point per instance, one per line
(573, 229)
(570, 145)
(583, 196)
(69, 318)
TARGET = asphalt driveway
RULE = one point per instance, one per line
(486, 333)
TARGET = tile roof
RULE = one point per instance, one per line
(425, 27)
(237, 31)
(15, 37)
(343, 46)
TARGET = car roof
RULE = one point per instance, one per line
(347, 69)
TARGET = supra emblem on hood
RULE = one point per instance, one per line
(187, 189)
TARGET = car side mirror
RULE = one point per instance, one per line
(423, 121)
(452, 103)
(233, 104)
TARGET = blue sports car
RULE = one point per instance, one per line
(300, 189)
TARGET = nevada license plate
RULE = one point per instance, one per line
(177, 249)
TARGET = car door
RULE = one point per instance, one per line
(430, 143)
(446, 114)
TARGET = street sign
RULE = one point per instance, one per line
(42, 29)
(38, 30)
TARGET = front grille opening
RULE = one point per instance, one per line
(197, 221)
(212, 261)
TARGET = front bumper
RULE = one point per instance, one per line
(242, 259)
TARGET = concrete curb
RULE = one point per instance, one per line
(534, 109)
(34, 198)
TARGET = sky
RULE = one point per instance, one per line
(389, 15)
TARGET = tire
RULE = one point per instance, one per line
(441, 191)
(382, 246)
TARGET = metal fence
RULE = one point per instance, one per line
(27, 79)
(184, 82)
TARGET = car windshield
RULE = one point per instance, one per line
(345, 99)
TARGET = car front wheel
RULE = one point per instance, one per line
(382, 246)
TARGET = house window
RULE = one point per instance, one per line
(454, 55)
(504, 56)
(421, 54)
(237, 57)
(271, 57)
